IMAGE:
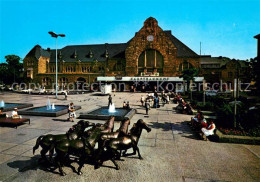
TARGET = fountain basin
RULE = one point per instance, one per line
(103, 114)
(42, 111)
(11, 106)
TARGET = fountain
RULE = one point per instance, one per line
(2, 104)
(50, 110)
(53, 106)
(48, 104)
(11, 106)
(104, 113)
(112, 108)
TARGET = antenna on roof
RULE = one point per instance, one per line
(200, 48)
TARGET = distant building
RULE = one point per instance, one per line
(151, 55)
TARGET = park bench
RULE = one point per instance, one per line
(14, 122)
(207, 117)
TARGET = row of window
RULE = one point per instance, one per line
(73, 69)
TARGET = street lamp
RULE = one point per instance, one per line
(56, 36)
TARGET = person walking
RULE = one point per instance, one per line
(66, 95)
(142, 100)
(147, 106)
(109, 100)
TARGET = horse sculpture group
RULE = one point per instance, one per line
(81, 144)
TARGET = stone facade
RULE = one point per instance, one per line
(84, 63)
(161, 42)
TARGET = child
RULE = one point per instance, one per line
(72, 113)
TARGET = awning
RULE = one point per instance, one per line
(133, 79)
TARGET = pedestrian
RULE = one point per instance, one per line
(124, 105)
(109, 100)
(66, 95)
(147, 106)
(71, 111)
(167, 99)
(127, 105)
(142, 100)
(155, 102)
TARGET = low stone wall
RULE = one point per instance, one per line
(237, 139)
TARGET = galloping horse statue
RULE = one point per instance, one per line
(105, 137)
(124, 143)
(45, 141)
(82, 148)
(107, 127)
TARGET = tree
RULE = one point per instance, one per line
(189, 74)
(3, 72)
(12, 70)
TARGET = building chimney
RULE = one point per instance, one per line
(258, 45)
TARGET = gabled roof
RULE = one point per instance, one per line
(182, 49)
(83, 52)
(37, 52)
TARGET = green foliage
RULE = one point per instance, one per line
(225, 115)
(209, 106)
(189, 74)
(11, 70)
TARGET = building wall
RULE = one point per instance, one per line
(71, 71)
(161, 43)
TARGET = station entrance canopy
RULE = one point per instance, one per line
(146, 79)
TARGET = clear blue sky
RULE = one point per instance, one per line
(225, 27)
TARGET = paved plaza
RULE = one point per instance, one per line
(171, 151)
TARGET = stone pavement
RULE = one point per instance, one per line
(171, 151)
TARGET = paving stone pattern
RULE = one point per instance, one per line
(171, 151)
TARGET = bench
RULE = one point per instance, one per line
(15, 122)
(211, 117)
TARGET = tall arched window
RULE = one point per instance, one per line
(150, 60)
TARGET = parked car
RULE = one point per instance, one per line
(39, 91)
(59, 92)
(26, 91)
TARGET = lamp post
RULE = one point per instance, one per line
(56, 75)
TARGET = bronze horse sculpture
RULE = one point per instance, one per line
(105, 137)
(45, 141)
(123, 129)
(108, 126)
(83, 147)
(124, 143)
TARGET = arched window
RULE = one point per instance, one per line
(150, 60)
(185, 65)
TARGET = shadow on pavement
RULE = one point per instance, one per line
(62, 120)
(166, 126)
(31, 164)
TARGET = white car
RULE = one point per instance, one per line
(39, 91)
(59, 92)
(25, 91)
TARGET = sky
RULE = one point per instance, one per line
(224, 27)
